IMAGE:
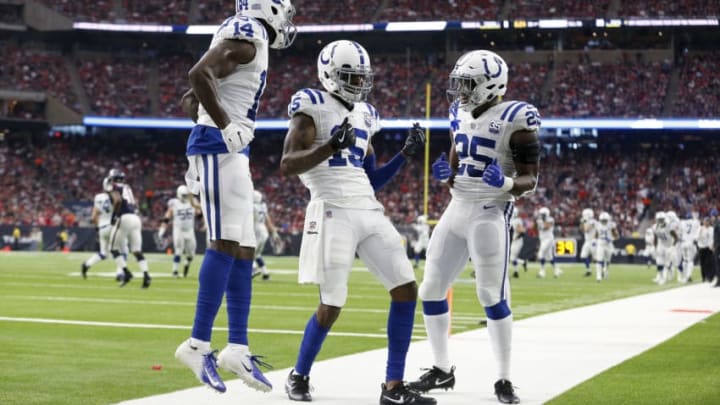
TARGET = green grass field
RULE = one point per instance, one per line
(99, 342)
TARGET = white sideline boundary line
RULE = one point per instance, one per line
(551, 354)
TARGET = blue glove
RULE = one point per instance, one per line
(493, 175)
(441, 168)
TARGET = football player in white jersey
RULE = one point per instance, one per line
(422, 237)
(329, 146)
(494, 158)
(264, 228)
(605, 233)
(689, 230)
(518, 240)
(101, 217)
(126, 228)
(546, 234)
(226, 85)
(674, 260)
(587, 229)
(649, 251)
(666, 240)
(182, 211)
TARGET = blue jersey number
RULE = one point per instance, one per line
(252, 112)
(356, 156)
(465, 147)
(247, 29)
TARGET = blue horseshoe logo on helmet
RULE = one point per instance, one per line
(487, 69)
(323, 60)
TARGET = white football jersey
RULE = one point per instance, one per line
(480, 140)
(588, 226)
(104, 207)
(260, 212)
(689, 229)
(183, 214)
(240, 92)
(662, 232)
(339, 181)
(604, 232)
(423, 231)
(517, 226)
(546, 233)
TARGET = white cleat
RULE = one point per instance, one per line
(202, 363)
(541, 274)
(557, 272)
(241, 363)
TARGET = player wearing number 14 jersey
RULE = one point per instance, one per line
(493, 159)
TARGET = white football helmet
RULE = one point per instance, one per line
(421, 219)
(477, 78)
(182, 193)
(660, 217)
(257, 197)
(604, 217)
(671, 216)
(344, 69)
(278, 14)
(544, 212)
(587, 214)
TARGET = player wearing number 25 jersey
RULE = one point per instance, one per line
(329, 146)
(493, 159)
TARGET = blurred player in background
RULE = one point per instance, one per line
(494, 158)
(264, 228)
(605, 233)
(674, 262)
(546, 234)
(226, 85)
(422, 237)
(127, 228)
(329, 146)
(518, 240)
(689, 230)
(665, 241)
(587, 229)
(182, 210)
(705, 250)
(649, 251)
(101, 217)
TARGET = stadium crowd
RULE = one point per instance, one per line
(338, 12)
(41, 183)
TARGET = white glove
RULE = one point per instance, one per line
(161, 232)
(236, 139)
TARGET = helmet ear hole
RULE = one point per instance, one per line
(274, 10)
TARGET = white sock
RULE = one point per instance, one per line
(437, 327)
(174, 267)
(500, 332)
(92, 260)
(143, 265)
(120, 263)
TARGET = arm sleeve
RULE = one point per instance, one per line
(379, 176)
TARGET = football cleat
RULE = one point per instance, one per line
(175, 274)
(505, 392)
(246, 366)
(126, 277)
(146, 280)
(402, 394)
(83, 270)
(298, 387)
(186, 269)
(434, 378)
(203, 365)
(266, 276)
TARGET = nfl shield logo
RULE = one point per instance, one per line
(368, 120)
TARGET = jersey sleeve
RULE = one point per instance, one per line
(242, 28)
(306, 101)
(374, 117)
(522, 116)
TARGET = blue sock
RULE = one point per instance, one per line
(587, 263)
(542, 262)
(260, 262)
(313, 339)
(213, 279)
(176, 259)
(239, 292)
(399, 331)
(417, 258)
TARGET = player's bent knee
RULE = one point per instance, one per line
(115, 253)
(139, 256)
(501, 310)
(405, 292)
(432, 291)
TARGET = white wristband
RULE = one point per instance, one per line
(508, 184)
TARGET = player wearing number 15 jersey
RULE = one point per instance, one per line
(329, 146)
(494, 156)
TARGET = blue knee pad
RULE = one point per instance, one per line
(498, 311)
